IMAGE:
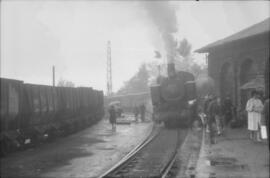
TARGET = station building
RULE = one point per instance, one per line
(238, 59)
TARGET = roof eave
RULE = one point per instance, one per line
(207, 49)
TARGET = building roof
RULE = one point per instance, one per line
(256, 29)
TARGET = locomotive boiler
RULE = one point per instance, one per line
(174, 98)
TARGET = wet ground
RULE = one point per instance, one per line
(188, 153)
(233, 155)
(85, 154)
(92, 151)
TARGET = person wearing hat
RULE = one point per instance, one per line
(208, 98)
(136, 112)
(216, 113)
(112, 118)
(209, 117)
(227, 109)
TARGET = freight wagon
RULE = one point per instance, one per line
(31, 114)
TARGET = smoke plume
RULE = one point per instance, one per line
(163, 15)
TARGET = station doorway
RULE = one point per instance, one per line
(247, 73)
(226, 81)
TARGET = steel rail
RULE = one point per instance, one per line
(164, 172)
(172, 160)
(134, 151)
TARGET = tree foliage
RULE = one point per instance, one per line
(138, 83)
(148, 72)
(184, 48)
(185, 59)
(65, 83)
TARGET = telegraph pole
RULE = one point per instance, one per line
(109, 70)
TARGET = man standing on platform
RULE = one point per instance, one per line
(215, 113)
(209, 118)
(228, 110)
(208, 99)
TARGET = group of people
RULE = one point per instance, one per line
(139, 110)
(114, 113)
(219, 113)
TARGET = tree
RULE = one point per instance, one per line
(184, 48)
(185, 59)
(138, 83)
(65, 83)
(157, 54)
(148, 72)
(197, 70)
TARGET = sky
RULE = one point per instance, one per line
(73, 36)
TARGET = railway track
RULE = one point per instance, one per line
(151, 159)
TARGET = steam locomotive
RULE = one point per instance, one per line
(31, 114)
(174, 98)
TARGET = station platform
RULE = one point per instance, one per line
(233, 155)
(88, 153)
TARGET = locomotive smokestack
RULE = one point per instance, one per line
(170, 65)
(171, 69)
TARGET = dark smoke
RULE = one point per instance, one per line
(163, 16)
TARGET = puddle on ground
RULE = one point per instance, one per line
(105, 134)
(222, 161)
(105, 148)
(226, 163)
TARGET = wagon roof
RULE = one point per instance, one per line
(129, 94)
(11, 80)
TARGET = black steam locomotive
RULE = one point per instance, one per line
(31, 114)
(174, 98)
